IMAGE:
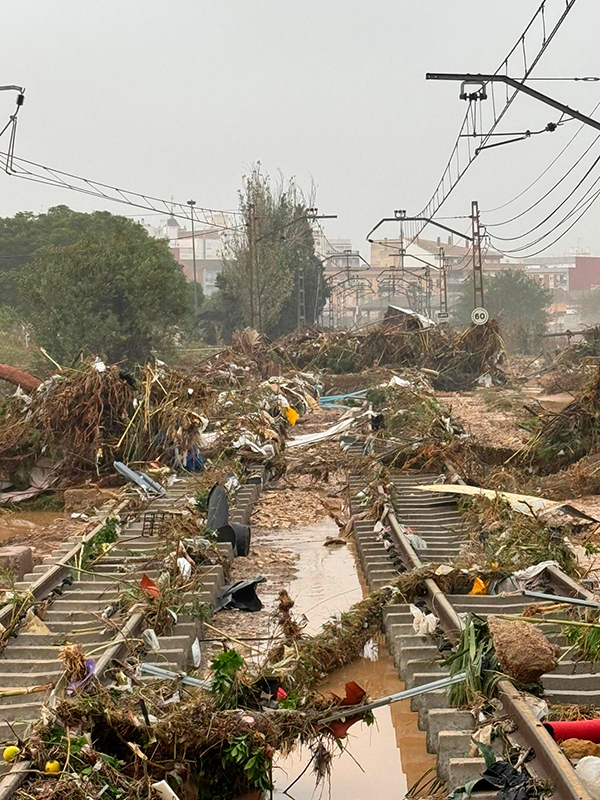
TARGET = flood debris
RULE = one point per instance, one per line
(522, 650)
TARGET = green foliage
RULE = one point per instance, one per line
(512, 540)
(15, 337)
(475, 656)
(224, 684)
(263, 292)
(517, 301)
(201, 500)
(584, 641)
(256, 765)
(95, 281)
(107, 535)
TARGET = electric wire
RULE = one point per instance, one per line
(567, 216)
(562, 235)
(554, 211)
(19, 167)
(447, 183)
(546, 170)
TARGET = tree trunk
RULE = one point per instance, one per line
(18, 377)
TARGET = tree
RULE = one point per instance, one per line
(116, 292)
(264, 262)
(517, 301)
(23, 235)
(588, 305)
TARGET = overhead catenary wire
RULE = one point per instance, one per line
(561, 236)
(39, 173)
(448, 181)
(574, 210)
(555, 210)
(545, 170)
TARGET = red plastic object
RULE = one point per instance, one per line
(148, 585)
(588, 729)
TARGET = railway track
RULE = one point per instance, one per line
(436, 519)
(79, 604)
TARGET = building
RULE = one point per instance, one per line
(575, 272)
(210, 244)
(420, 254)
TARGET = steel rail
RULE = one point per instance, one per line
(550, 758)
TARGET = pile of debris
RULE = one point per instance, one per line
(456, 360)
(74, 426)
(567, 436)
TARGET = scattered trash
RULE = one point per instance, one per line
(588, 770)
(240, 595)
(423, 624)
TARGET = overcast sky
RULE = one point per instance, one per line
(178, 98)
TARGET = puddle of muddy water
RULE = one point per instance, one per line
(17, 524)
(326, 580)
(391, 755)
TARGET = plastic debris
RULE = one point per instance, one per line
(423, 624)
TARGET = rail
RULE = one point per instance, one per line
(550, 759)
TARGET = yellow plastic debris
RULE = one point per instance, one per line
(10, 753)
(52, 766)
(292, 415)
(479, 586)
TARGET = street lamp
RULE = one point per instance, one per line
(191, 204)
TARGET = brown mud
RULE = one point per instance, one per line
(324, 581)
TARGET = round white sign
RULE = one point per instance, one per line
(479, 316)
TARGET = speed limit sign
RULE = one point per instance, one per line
(479, 316)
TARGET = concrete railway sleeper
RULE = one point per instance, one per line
(436, 519)
(76, 602)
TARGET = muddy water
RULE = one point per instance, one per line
(385, 759)
(326, 581)
(18, 524)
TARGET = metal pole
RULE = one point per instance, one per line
(481, 79)
(442, 683)
(191, 204)
(477, 265)
(444, 287)
(257, 274)
(251, 246)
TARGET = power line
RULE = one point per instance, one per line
(546, 170)
(564, 233)
(40, 173)
(567, 216)
(552, 213)
(459, 161)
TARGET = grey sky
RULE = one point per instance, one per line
(177, 98)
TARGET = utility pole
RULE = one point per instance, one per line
(191, 204)
(444, 284)
(251, 248)
(302, 297)
(256, 271)
(477, 265)
(428, 290)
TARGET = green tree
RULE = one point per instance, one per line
(116, 292)
(263, 282)
(23, 235)
(517, 301)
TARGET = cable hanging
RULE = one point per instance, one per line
(542, 32)
(544, 172)
(40, 173)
